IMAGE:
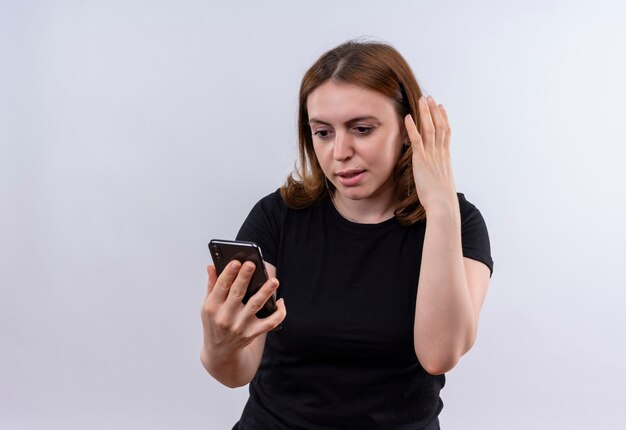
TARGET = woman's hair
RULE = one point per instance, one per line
(374, 66)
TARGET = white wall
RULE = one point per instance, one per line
(132, 132)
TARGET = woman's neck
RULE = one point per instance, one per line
(365, 211)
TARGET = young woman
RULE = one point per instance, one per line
(382, 265)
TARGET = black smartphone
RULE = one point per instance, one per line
(224, 251)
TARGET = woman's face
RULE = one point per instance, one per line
(357, 138)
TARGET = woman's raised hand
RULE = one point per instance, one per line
(228, 324)
(432, 166)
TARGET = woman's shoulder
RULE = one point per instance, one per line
(475, 236)
(275, 202)
(466, 207)
(471, 217)
(462, 198)
(272, 201)
(270, 207)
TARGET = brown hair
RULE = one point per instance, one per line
(375, 66)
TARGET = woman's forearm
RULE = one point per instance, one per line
(445, 324)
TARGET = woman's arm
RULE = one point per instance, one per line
(451, 288)
(234, 338)
(450, 294)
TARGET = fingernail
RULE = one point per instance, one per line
(249, 268)
(274, 284)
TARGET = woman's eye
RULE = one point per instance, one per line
(363, 130)
(322, 133)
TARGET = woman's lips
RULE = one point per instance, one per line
(350, 178)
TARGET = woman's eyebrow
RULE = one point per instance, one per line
(317, 121)
(350, 121)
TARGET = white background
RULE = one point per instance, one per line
(132, 132)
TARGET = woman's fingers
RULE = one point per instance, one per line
(246, 320)
(428, 127)
(221, 288)
(239, 287)
(271, 322)
(414, 135)
(228, 323)
(435, 125)
(438, 122)
(444, 115)
(258, 300)
(431, 155)
(212, 278)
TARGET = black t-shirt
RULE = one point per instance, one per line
(345, 357)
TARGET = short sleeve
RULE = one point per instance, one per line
(474, 235)
(262, 226)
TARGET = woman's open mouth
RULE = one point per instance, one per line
(350, 178)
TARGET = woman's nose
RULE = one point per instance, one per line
(343, 148)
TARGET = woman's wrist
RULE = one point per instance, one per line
(444, 210)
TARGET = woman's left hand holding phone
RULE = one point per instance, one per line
(234, 337)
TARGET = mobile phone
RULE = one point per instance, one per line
(224, 251)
